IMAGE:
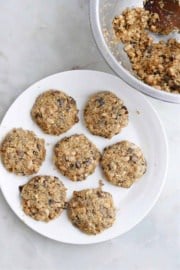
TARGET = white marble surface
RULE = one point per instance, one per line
(42, 37)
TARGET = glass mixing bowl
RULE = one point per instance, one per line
(102, 13)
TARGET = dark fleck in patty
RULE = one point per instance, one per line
(123, 163)
(22, 152)
(76, 157)
(91, 210)
(43, 197)
(105, 114)
(55, 112)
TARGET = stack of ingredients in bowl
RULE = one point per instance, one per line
(157, 64)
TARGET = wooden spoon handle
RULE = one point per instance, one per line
(169, 14)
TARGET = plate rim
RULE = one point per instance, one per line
(164, 139)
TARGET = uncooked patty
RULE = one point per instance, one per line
(22, 152)
(55, 112)
(91, 210)
(105, 114)
(43, 197)
(123, 163)
(76, 157)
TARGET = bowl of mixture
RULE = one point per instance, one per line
(140, 42)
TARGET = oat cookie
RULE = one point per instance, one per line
(76, 157)
(55, 112)
(123, 163)
(43, 197)
(91, 210)
(22, 152)
(105, 114)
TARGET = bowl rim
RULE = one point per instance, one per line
(124, 74)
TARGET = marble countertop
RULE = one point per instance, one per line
(42, 37)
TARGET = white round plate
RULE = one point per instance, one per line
(144, 129)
